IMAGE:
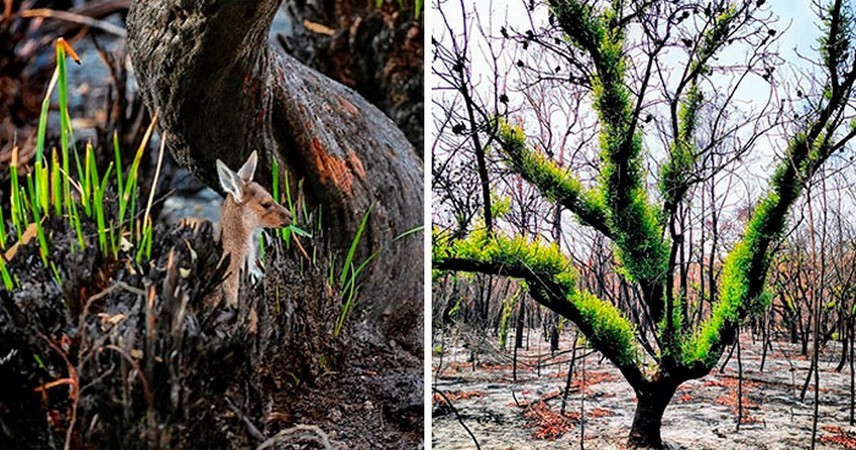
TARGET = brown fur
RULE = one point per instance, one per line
(239, 220)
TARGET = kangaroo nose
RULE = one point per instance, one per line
(286, 217)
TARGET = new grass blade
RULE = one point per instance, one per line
(147, 220)
(56, 185)
(127, 196)
(354, 244)
(17, 212)
(43, 117)
(409, 232)
(4, 273)
(98, 206)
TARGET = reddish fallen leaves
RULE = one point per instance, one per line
(600, 412)
(730, 381)
(506, 368)
(749, 419)
(458, 366)
(592, 378)
(457, 395)
(548, 424)
(838, 437)
(731, 400)
(685, 398)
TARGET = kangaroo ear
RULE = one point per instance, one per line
(249, 168)
(229, 181)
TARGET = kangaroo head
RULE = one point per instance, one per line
(257, 207)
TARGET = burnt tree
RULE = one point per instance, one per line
(221, 90)
(643, 224)
(373, 47)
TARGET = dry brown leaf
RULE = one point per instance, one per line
(318, 28)
(25, 239)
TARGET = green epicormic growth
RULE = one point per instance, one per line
(634, 222)
(543, 266)
(683, 153)
(618, 204)
(555, 183)
(741, 289)
(507, 309)
(735, 289)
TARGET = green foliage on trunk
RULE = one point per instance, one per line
(507, 311)
(740, 294)
(556, 184)
(634, 223)
(610, 330)
(517, 251)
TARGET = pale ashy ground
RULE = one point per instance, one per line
(693, 421)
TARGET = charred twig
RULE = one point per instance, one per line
(106, 292)
(147, 392)
(458, 416)
(74, 384)
(514, 397)
(251, 428)
(76, 18)
(570, 373)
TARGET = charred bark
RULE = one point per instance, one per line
(653, 398)
(221, 91)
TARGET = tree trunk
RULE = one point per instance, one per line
(652, 400)
(221, 91)
(521, 321)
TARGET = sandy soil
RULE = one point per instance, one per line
(503, 414)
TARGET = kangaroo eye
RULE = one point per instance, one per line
(267, 205)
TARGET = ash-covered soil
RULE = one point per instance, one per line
(503, 414)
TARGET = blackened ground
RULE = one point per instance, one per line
(135, 355)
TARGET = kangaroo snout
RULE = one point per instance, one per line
(275, 216)
(284, 217)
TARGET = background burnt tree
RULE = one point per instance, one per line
(221, 91)
(813, 276)
(373, 47)
(688, 117)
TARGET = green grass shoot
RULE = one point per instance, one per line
(55, 184)
(349, 275)
(2, 231)
(49, 188)
(4, 273)
(16, 210)
(354, 244)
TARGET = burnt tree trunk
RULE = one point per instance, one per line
(221, 90)
(652, 400)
